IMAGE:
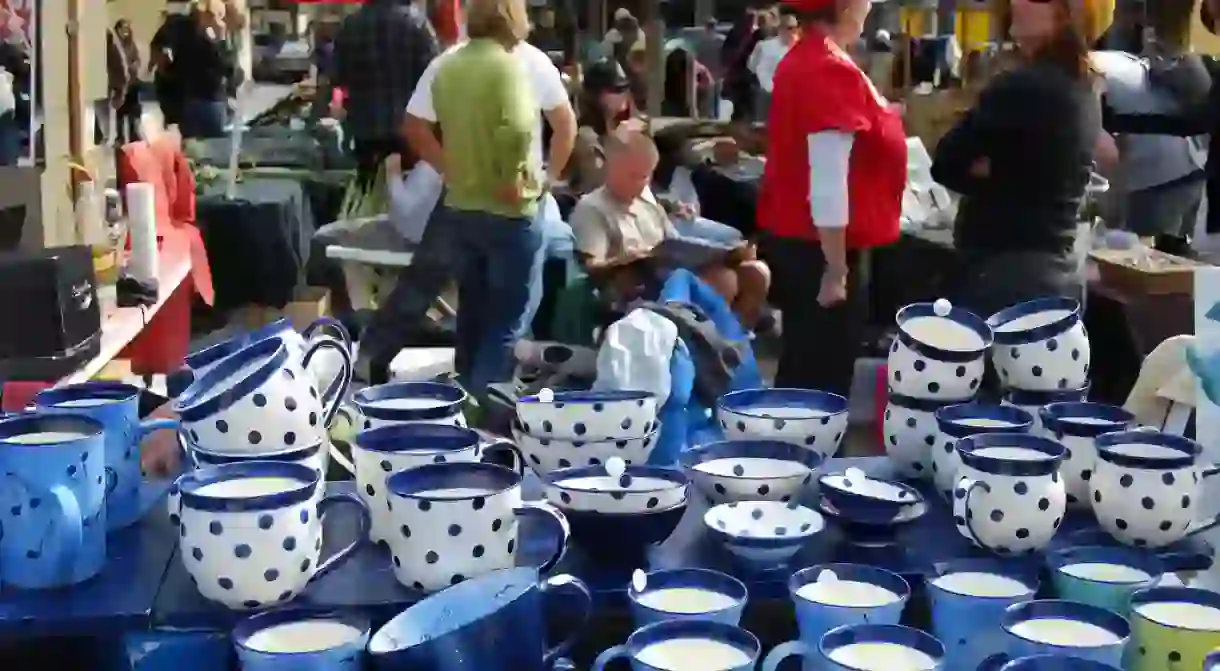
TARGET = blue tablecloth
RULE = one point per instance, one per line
(367, 582)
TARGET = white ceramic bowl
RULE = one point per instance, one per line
(545, 454)
(763, 533)
(1041, 345)
(589, 415)
(937, 356)
(812, 419)
(750, 470)
(638, 489)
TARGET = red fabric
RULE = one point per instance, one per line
(809, 5)
(19, 395)
(818, 89)
(447, 21)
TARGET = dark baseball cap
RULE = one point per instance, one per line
(605, 75)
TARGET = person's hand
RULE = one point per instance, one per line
(686, 210)
(160, 455)
(833, 289)
(1105, 152)
(393, 165)
(981, 167)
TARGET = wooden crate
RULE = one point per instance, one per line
(1163, 274)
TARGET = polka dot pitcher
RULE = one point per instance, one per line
(260, 402)
(250, 534)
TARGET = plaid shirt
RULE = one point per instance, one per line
(379, 54)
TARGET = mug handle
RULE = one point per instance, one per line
(362, 530)
(352, 415)
(69, 529)
(609, 655)
(994, 662)
(333, 396)
(783, 651)
(502, 447)
(328, 323)
(961, 507)
(567, 583)
(551, 515)
(1214, 522)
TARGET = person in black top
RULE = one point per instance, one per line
(198, 64)
(1021, 160)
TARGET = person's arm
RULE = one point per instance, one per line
(557, 108)
(960, 155)
(588, 162)
(755, 57)
(589, 231)
(829, 160)
(419, 123)
(1199, 119)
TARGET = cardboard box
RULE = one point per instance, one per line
(1157, 275)
(307, 306)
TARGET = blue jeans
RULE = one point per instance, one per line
(499, 268)
(204, 118)
(714, 233)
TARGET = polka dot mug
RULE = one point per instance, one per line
(1041, 345)
(250, 533)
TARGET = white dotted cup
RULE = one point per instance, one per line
(250, 533)
(457, 521)
(937, 356)
(259, 401)
(1041, 345)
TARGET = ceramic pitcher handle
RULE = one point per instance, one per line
(1209, 471)
(362, 530)
(551, 515)
(69, 529)
(783, 651)
(607, 656)
(334, 395)
(328, 323)
(961, 507)
(572, 584)
(503, 447)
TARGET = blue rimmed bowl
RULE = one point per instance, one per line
(1041, 345)
(639, 489)
(1053, 626)
(935, 356)
(687, 594)
(545, 454)
(763, 534)
(622, 539)
(860, 497)
(750, 470)
(1104, 576)
(1002, 662)
(834, 644)
(1032, 401)
(811, 419)
(954, 422)
(589, 415)
(408, 403)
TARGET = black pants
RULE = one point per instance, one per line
(370, 154)
(820, 345)
(127, 117)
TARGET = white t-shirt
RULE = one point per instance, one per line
(765, 59)
(548, 85)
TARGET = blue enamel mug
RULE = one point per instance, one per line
(289, 641)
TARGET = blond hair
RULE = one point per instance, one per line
(505, 21)
(216, 7)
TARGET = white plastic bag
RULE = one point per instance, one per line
(635, 354)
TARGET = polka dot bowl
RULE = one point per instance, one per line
(859, 496)
(910, 433)
(750, 470)
(406, 403)
(1147, 487)
(250, 533)
(954, 422)
(763, 534)
(545, 453)
(622, 539)
(1076, 426)
(589, 415)
(1041, 345)
(1032, 401)
(937, 356)
(638, 489)
(812, 419)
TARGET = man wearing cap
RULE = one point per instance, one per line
(832, 188)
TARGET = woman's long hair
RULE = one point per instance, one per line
(591, 113)
(1081, 23)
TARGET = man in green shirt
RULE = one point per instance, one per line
(487, 114)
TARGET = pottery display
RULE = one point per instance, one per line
(967, 597)
(1147, 486)
(250, 533)
(859, 496)
(864, 530)
(588, 415)
(54, 517)
(910, 431)
(828, 596)
(1009, 497)
(453, 521)
(866, 647)
(1173, 628)
(1103, 576)
(750, 470)
(621, 539)
(545, 454)
(938, 352)
(954, 422)
(326, 368)
(685, 645)
(494, 622)
(1041, 345)
(1066, 628)
(686, 594)
(1003, 662)
(117, 407)
(812, 419)
(628, 489)
(406, 403)
(277, 640)
(1033, 401)
(762, 533)
(1076, 426)
(381, 452)
(258, 401)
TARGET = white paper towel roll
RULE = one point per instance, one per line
(142, 228)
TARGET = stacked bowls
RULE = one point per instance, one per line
(586, 428)
(814, 420)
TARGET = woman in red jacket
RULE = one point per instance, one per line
(836, 169)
